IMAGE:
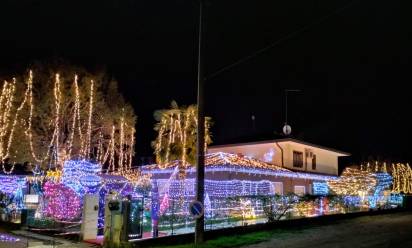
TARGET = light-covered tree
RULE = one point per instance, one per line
(177, 131)
(60, 112)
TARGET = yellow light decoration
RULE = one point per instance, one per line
(6, 104)
(121, 148)
(54, 175)
(57, 98)
(29, 131)
(86, 152)
(76, 116)
(4, 153)
(120, 152)
(219, 158)
(352, 181)
(402, 178)
(176, 135)
(111, 147)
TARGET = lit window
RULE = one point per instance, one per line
(278, 188)
(297, 159)
(300, 190)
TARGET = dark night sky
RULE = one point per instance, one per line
(353, 68)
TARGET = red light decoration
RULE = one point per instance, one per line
(62, 202)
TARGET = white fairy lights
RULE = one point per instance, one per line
(55, 144)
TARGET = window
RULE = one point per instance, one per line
(314, 162)
(278, 188)
(297, 159)
(300, 190)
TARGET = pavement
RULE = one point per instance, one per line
(26, 239)
(389, 230)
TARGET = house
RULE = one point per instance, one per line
(278, 166)
(289, 153)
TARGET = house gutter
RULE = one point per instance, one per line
(281, 151)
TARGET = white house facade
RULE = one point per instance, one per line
(289, 153)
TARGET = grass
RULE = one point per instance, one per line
(239, 240)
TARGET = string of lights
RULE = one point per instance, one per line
(59, 148)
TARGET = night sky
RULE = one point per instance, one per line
(351, 59)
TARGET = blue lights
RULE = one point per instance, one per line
(81, 176)
(396, 199)
(320, 188)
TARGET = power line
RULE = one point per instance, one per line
(284, 38)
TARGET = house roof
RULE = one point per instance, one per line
(283, 140)
(221, 158)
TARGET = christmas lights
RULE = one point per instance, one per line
(8, 238)
(176, 134)
(60, 143)
(396, 199)
(62, 202)
(402, 178)
(81, 176)
(11, 184)
(352, 182)
(232, 163)
(320, 188)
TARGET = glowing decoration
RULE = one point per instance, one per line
(54, 175)
(76, 118)
(81, 176)
(164, 205)
(352, 182)
(5, 118)
(136, 178)
(115, 184)
(62, 202)
(11, 184)
(8, 238)
(57, 98)
(29, 131)
(177, 136)
(396, 199)
(131, 148)
(221, 158)
(383, 182)
(60, 144)
(247, 209)
(86, 152)
(402, 178)
(320, 188)
(111, 151)
(233, 163)
(6, 103)
(208, 206)
(268, 157)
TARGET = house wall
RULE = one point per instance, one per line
(326, 161)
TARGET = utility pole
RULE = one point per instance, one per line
(200, 146)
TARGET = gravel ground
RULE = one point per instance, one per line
(391, 230)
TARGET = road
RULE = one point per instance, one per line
(391, 230)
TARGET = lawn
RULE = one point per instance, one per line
(239, 240)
